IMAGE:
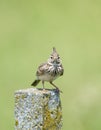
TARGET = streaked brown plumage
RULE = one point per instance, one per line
(50, 70)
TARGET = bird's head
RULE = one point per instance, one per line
(54, 57)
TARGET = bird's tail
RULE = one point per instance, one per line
(35, 82)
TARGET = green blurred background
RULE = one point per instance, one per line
(28, 31)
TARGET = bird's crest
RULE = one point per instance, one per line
(54, 49)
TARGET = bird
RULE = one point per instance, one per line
(50, 70)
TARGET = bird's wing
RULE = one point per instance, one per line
(42, 69)
(62, 70)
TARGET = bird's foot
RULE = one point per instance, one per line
(58, 90)
(44, 90)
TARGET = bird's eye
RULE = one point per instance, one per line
(51, 57)
(58, 57)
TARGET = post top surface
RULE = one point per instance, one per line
(36, 91)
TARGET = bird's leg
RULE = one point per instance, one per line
(56, 87)
(43, 85)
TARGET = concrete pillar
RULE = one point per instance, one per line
(37, 109)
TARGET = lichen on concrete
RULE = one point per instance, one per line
(37, 109)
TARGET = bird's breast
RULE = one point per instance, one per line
(50, 73)
(47, 77)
